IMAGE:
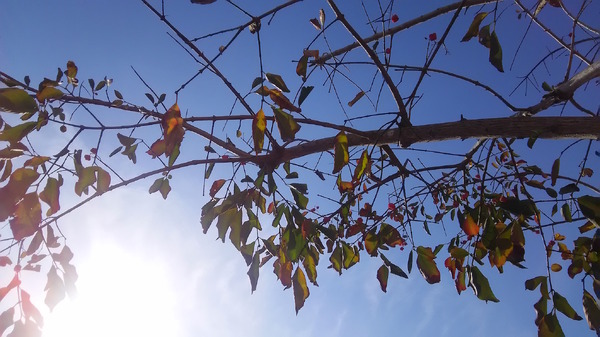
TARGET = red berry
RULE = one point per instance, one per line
(63, 128)
(432, 37)
(94, 150)
(87, 157)
(394, 18)
(388, 51)
(17, 268)
(225, 156)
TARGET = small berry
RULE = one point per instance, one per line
(225, 156)
(432, 37)
(94, 150)
(87, 157)
(394, 18)
(388, 51)
(63, 128)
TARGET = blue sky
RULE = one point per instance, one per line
(151, 254)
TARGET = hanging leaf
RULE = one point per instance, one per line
(322, 17)
(474, 27)
(277, 81)
(393, 268)
(27, 217)
(341, 156)
(304, 93)
(336, 259)
(469, 226)
(51, 193)
(590, 207)
(549, 326)
(216, 186)
(561, 304)
(302, 66)
(55, 289)
(351, 256)
(283, 102)
(17, 101)
(481, 286)
(315, 23)
(496, 52)
(259, 125)
(299, 197)
(591, 311)
(253, 271)
(426, 265)
(48, 93)
(361, 166)
(382, 276)
(555, 169)
(356, 98)
(286, 124)
(484, 36)
(301, 292)
(16, 133)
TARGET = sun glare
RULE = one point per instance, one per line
(119, 294)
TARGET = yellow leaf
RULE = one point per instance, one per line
(48, 93)
(341, 156)
(361, 167)
(474, 27)
(301, 292)
(259, 125)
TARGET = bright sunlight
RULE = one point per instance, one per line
(119, 294)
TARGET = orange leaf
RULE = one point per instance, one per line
(157, 148)
(216, 186)
(283, 102)
(469, 226)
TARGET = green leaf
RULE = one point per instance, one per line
(16, 133)
(549, 326)
(17, 101)
(590, 207)
(496, 52)
(51, 193)
(341, 156)
(301, 292)
(410, 262)
(227, 219)
(288, 127)
(304, 93)
(474, 27)
(484, 36)
(591, 310)
(533, 283)
(555, 169)
(561, 304)
(299, 197)
(90, 175)
(277, 81)
(426, 265)
(382, 276)
(48, 93)
(566, 212)
(569, 188)
(481, 286)
(259, 125)
(336, 259)
(351, 257)
(124, 140)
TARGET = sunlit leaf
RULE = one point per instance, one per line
(299, 197)
(591, 310)
(27, 217)
(48, 93)
(382, 276)
(561, 304)
(231, 217)
(426, 265)
(336, 259)
(481, 286)
(315, 23)
(351, 257)
(474, 27)
(590, 207)
(301, 292)
(259, 125)
(469, 226)
(341, 156)
(283, 102)
(17, 101)
(286, 124)
(277, 81)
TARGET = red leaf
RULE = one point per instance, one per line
(4, 261)
(13, 283)
(216, 186)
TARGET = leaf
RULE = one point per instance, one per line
(351, 256)
(590, 207)
(481, 286)
(356, 98)
(283, 102)
(561, 304)
(124, 140)
(474, 27)
(10, 286)
(410, 262)
(286, 124)
(496, 52)
(299, 197)
(315, 23)
(55, 289)
(259, 125)
(301, 292)
(48, 93)
(393, 268)
(566, 212)
(17, 101)
(277, 81)
(336, 259)
(16, 133)
(426, 265)
(304, 93)
(51, 193)
(469, 226)
(569, 188)
(87, 177)
(216, 186)
(341, 156)
(6, 319)
(230, 218)
(361, 166)
(555, 267)
(549, 326)
(27, 217)
(71, 69)
(555, 169)
(382, 276)
(253, 271)
(301, 67)
(484, 36)
(591, 310)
